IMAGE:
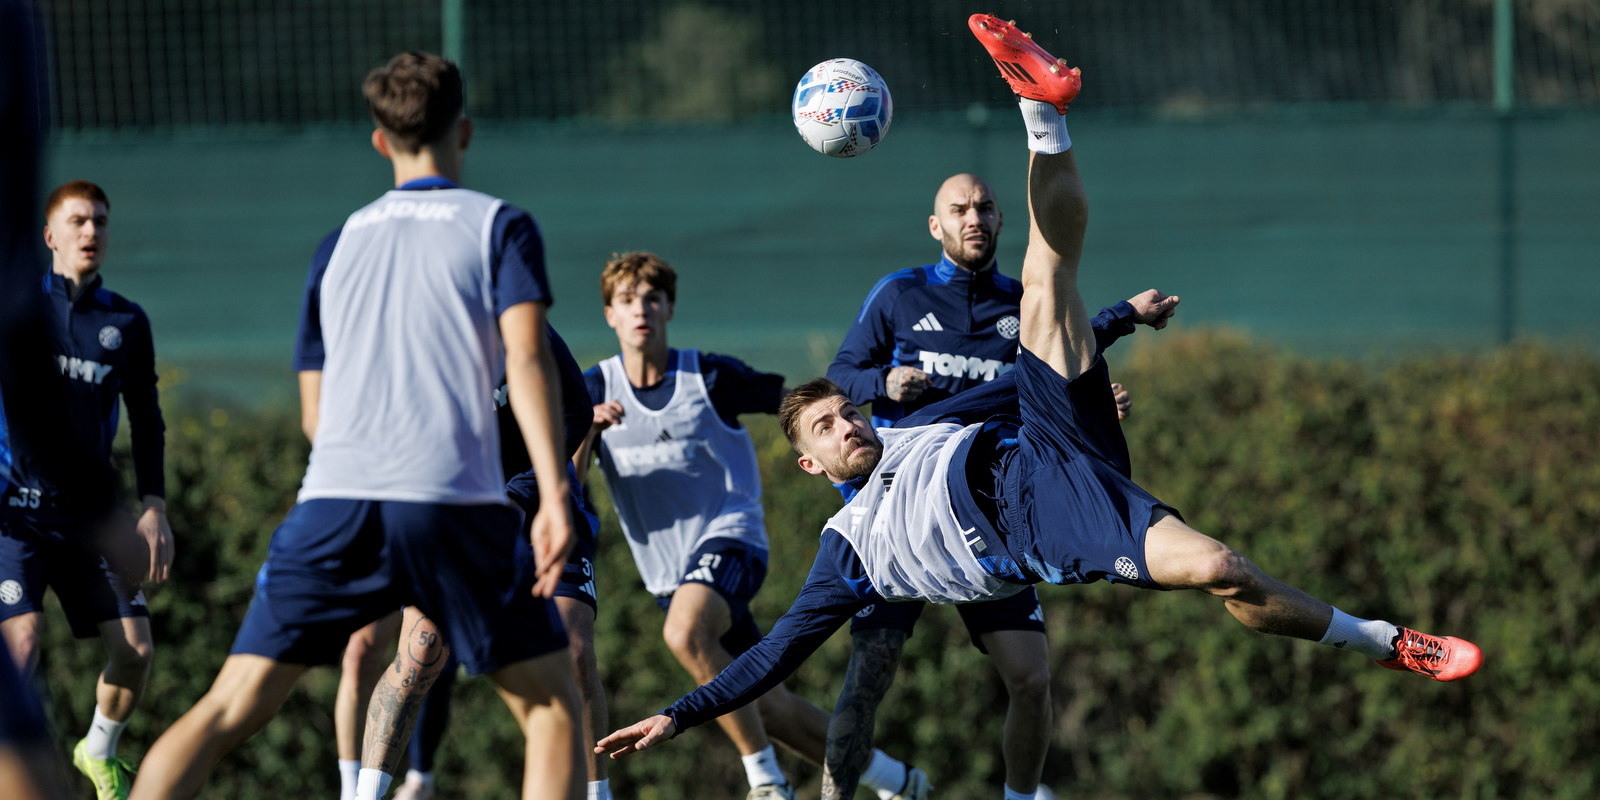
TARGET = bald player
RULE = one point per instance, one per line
(925, 334)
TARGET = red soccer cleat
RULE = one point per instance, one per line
(1031, 71)
(1442, 658)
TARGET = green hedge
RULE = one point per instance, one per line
(1456, 494)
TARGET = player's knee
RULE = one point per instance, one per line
(22, 637)
(687, 640)
(1029, 687)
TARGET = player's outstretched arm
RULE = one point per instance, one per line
(637, 736)
(534, 392)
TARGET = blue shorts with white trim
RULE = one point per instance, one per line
(35, 555)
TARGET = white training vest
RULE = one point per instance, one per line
(412, 338)
(902, 526)
(678, 476)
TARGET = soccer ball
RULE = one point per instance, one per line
(842, 108)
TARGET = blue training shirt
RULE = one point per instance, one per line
(102, 345)
(957, 325)
(838, 585)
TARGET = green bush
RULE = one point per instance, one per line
(1456, 494)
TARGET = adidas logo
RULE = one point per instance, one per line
(927, 323)
(664, 437)
(1016, 71)
(1039, 134)
(1037, 615)
(702, 574)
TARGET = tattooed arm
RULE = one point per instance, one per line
(874, 655)
(398, 697)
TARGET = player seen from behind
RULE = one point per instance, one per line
(1023, 481)
(430, 294)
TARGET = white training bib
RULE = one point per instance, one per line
(902, 526)
(678, 476)
(412, 336)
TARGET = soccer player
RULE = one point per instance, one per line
(103, 346)
(958, 320)
(1023, 481)
(419, 304)
(682, 473)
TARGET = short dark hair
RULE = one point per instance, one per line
(639, 268)
(801, 398)
(416, 98)
(81, 189)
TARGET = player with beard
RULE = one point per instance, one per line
(1023, 481)
(925, 334)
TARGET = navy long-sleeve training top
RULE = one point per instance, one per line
(838, 585)
(103, 348)
(957, 325)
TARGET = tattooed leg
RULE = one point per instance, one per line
(874, 655)
(392, 714)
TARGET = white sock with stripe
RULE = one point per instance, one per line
(884, 775)
(372, 784)
(1047, 127)
(762, 768)
(1373, 638)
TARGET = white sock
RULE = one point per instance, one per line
(1373, 638)
(349, 768)
(419, 778)
(373, 784)
(1047, 127)
(600, 790)
(1013, 794)
(884, 775)
(101, 741)
(762, 768)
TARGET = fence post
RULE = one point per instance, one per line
(452, 18)
(1505, 111)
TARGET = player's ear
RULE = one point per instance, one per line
(464, 132)
(809, 464)
(380, 143)
(49, 238)
(609, 321)
(670, 306)
(933, 227)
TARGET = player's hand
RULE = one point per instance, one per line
(1123, 399)
(157, 535)
(550, 534)
(1153, 308)
(637, 736)
(607, 414)
(904, 384)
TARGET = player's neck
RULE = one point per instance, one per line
(646, 365)
(427, 162)
(76, 279)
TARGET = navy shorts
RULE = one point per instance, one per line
(736, 571)
(1019, 612)
(34, 555)
(335, 565)
(1072, 512)
(577, 576)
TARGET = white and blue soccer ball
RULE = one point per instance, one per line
(842, 108)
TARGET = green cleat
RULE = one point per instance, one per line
(113, 778)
